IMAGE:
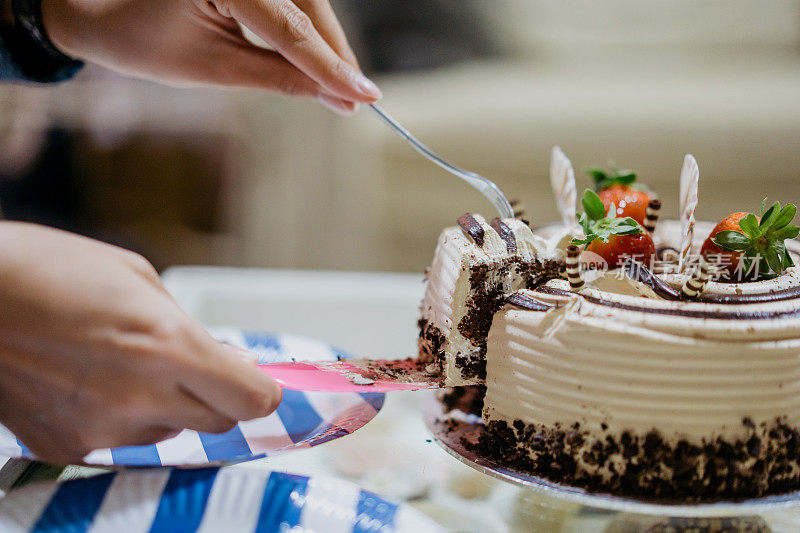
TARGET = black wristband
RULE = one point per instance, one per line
(36, 56)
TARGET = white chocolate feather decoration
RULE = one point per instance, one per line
(562, 179)
(690, 180)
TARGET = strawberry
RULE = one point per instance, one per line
(629, 202)
(724, 259)
(614, 239)
(753, 246)
(618, 187)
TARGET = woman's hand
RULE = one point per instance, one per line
(94, 352)
(200, 42)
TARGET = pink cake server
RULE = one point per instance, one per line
(352, 375)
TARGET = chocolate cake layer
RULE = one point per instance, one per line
(430, 343)
(487, 296)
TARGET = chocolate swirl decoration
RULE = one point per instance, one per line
(694, 286)
(638, 272)
(667, 254)
(576, 282)
(752, 298)
(700, 313)
(472, 227)
(527, 302)
(505, 233)
(738, 314)
(651, 215)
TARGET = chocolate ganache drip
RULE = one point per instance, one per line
(527, 302)
(505, 233)
(472, 227)
(638, 272)
(687, 313)
(758, 297)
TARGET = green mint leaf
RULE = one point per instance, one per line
(785, 216)
(593, 206)
(731, 240)
(770, 215)
(763, 206)
(749, 225)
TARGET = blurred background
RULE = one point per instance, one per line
(223, 177)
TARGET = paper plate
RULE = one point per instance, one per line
(303, 419)
(204, 499)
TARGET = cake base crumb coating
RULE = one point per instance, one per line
(648, 466)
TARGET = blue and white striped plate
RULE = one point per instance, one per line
(303, 419)
(204, 499)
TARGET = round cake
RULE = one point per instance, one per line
(645, 379)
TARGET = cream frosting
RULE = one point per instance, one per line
(635, 371)
(448, 283)
(619, 355)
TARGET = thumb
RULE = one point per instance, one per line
(231, 384)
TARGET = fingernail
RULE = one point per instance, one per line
(367, 87)
(337, 105)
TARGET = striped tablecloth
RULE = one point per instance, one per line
(204, 499)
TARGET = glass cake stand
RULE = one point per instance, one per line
(542, 505)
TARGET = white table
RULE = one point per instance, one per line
(372, 314)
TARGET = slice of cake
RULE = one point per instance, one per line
(476, 264)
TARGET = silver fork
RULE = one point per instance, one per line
(485, 186)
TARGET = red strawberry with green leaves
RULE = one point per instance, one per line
(753, 245)
(618, 186)
(612, 238)
(724, 259)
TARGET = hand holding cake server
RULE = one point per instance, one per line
(94, 352)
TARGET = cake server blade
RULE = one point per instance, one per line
(352, 375)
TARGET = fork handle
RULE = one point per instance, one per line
(485, 186)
